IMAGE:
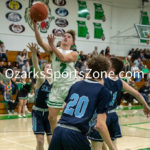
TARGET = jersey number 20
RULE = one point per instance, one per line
(77, 106)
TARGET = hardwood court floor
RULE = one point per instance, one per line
(16, 134)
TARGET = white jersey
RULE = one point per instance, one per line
(63, 72)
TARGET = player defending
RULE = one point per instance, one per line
(84, 98)
(40, 111)
(115, 86)
(63, 61)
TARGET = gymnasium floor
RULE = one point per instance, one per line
(16, 134)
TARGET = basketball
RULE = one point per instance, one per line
(39, 11)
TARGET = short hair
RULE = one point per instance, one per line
(98, 64)
(117, 64)
(73, 34)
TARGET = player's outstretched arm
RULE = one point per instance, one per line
(34, 48)
(44, 45)
(138, 96)
(101, 127)
(71, 57)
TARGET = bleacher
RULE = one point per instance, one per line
(12, 58)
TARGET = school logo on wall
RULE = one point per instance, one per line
(59, 2)
(16, 28)
(61, 22)
(62, 12)
(13, 16)
(13, 5)
(58, 32)
(44, 25)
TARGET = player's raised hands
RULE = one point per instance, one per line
(33, 47)
(51, 40)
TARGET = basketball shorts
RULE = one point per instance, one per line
(113, 128)
(57, 96)
(40, 122)
(68, 139)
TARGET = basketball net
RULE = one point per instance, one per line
(148, 41)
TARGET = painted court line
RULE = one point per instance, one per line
(10, 141)
(131, 125)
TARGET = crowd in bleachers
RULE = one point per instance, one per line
(135, 61)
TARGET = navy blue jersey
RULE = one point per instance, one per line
(83, 99)
(115, 89)
(42, 95)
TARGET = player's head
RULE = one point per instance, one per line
(68, 38)
(99, 65)
(116, 65)
(47, 69)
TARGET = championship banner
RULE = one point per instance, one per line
(144, 21)
(98, 31)
(82, 29)
(99, 12)
(144, 18)
(83, 10)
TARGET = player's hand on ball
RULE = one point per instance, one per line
(33, 47)
(51, 40)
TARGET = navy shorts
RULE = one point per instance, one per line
(113, 128)
(68, 139)
(40, 122)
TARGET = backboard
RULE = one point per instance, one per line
(143, 31)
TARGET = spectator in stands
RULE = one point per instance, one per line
(142, 57)
(25, 54)
(78, 65)
(9, 66)
(107, 52)
(1, 66)
(126, 64)
(4, 81)
(137, 62)
(16, 64)
(131, 52)
(23, 96)
(148, 77)
(84, 68)
(145, 92)
(15, 81)
(136, 72)
(141, 65)
(102, 52)
(8, 99)
(20, 59)
(3, 51)
(82, 56)
(95, 51)
(137, 53)
(26, 67)
(128, 97)
(145, 70)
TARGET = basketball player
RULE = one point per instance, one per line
(115, 87)
(40, 111)
(84, 98)
(63, 62)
